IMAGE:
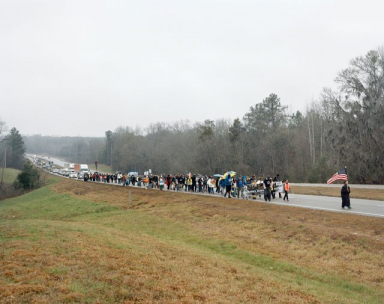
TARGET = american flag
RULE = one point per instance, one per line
(342, 174)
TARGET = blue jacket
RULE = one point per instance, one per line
(228, 180)
(240, 183)
(222, 183)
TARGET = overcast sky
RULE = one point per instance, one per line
(80, 68)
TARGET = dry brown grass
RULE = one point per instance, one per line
(305, 236)
(145, 268)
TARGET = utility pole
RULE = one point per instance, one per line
(5, 160)
(4, 165)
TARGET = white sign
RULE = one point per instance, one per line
(150, 171)
(279, 186)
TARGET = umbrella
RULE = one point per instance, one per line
(218, 175)
(231, 173)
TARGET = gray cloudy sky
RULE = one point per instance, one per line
(78, 67)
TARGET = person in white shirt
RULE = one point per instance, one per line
(210, 183)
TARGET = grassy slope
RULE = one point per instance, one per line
(9, 175)
(77, 241)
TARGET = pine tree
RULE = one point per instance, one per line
(29, 178)
(16, 149)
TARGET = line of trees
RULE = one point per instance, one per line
(343, 128)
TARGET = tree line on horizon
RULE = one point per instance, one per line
(343, 128)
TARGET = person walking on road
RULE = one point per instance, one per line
(194, 183)
(210, 184)
(218, 185)
(189, 183)
(286, 190)
(275, 180)
(228, 186)
(267, 189)
(345, 190)
(161, 183)
(240, 187)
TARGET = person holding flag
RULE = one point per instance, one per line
(345, 190)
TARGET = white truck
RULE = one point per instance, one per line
(84, 168)
(81, 168)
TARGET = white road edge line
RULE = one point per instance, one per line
(329, 209)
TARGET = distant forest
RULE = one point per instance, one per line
(343, 128)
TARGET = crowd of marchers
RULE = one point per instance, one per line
(229, 185)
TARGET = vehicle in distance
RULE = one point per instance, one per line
(81, 168)
(72, 174)
(84, 168)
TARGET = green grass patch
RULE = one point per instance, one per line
(46, 204)
(9, 175)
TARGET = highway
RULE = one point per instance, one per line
(333, 204)
(56, 161)
(355, 186)
(327, 203)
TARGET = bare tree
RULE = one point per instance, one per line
(355, 131)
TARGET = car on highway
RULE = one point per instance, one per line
(80, 175)
(72, 174)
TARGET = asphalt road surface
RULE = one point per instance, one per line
(355, 186)
(326, 203)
